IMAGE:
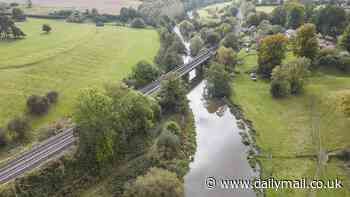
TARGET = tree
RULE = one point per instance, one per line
(18, 14)
(196, 45)
(37, 105)
(144, 73)
(168, 145)
(138, 23)
(305, 44)
(29, 4)
(169, 59)
(186, 29)
(279, 16)
(173, 95)
(218, 81)
(95, 118)
(255, 18)
(330, 20)
(8, 28)
(231, 41)
(227, 57)
(76, 17)
(295, 73)
(213, 38)
(345, 39)
(280, 88)
(224, 29)
(21, 127)
(343, 102)
(46, 28)
(272, 50)
(296, 15)
(17, 32)
(136, 114)
(156, 183)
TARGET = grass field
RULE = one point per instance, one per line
(284, 127)
(212, 13)
(267, 9)
(71, 57)
(104, 6)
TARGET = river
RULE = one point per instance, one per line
(220, 152)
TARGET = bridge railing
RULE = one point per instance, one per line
(203, 55)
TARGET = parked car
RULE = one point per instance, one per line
(253, 76)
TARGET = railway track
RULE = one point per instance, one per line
(60, 142)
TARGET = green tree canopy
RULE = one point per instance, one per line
(173, 95)
(156, 183)
(272, 50)
(95, 117)
(227, 57)
(296, 15)
(305, 44)
(143, 73)
(330, 20)
(218, 81)
(279, 16)
(345, 39)
(186, 29)
(196, 45)
(295, 73)
(231, 41)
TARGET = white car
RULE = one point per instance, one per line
(253, 76)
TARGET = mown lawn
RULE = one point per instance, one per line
(284, 126)
(71, 57)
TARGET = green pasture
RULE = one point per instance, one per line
(71, 57)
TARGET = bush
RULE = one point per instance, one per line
(173, 127)
(52, 96)
(21, 127)
(46, 28)
(156, 183)
(138, 23)
(168, 145)
(333, 58)
(37, 105)
(2, 137)
(280, 88)
(343, 103)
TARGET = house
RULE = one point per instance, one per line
(290, 33)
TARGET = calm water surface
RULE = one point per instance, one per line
(220, 152)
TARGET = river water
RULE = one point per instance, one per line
(220, 151)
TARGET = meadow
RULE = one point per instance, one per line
(284, 127)
(212, 13)
(104, 6)
(71, 57)
(266, 9)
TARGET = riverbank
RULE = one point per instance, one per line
(288, 147)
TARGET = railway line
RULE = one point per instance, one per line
(52, 146)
